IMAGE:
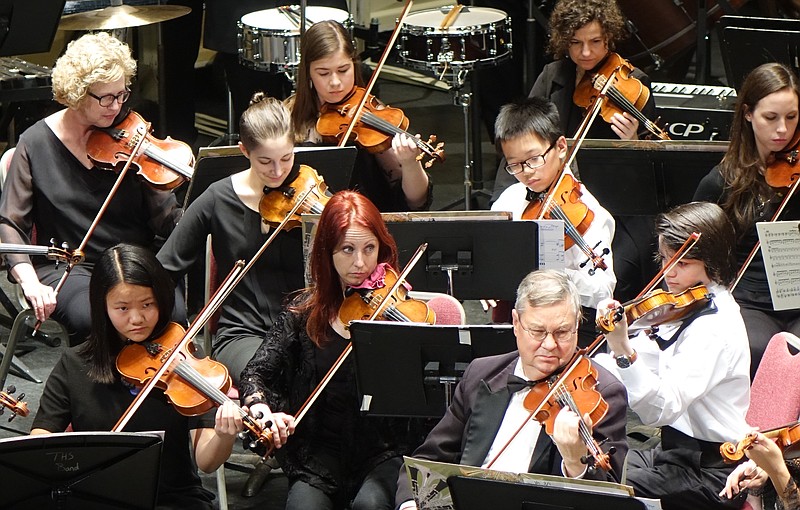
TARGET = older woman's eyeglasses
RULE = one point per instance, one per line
(109, 99)
(531, 163)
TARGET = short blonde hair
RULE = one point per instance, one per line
(93, 58)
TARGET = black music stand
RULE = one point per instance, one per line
(28, 27)
(469, 259)
(480, 493)
(81, 470)
(426, 363)
(645, 179)
(334, 164)
(748, 42)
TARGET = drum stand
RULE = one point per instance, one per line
(457, 79)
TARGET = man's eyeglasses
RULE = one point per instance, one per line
(560, 335)
(530, 163)
(109, 99)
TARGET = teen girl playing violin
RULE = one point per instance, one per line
(54, 188)
(534, 147)
(764, 122)
(335, 454)
(129, 292)
(393, 180)
(229, 211)
(688, 376)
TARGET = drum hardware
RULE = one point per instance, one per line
(118, 16)
(450, 46)
(269, 40)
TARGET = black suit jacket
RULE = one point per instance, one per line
(466, 432)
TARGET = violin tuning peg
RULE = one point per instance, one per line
(11, 389)
(21, 396)
(13, 415)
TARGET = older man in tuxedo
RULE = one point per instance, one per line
(488, 404)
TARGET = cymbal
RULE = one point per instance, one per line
(122, 16)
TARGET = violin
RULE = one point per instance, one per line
(781, 171)
(565, 204)
(192, 385)
(575, 388)
(16, 405)
(52, 252)
(164, 164)
(626, 94)
(787, 438)
(276, 203)
(656, 308)
(376, 126)
(362, 303)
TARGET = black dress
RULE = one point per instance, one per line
(71, 397)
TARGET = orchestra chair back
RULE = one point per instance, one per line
(775, 390)
(449, 310)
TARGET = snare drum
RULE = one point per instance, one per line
(269, 40)
(480, 36)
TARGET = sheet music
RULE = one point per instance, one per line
(780, 247)
(431, 492)
(551, 244)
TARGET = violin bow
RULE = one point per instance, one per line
(236, 275)
(349, 347)
(757, 246)
(376, 72)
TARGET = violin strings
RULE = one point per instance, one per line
(160, 156)
(391, 312)
(564, 398)
(373, 120)
(193, 377)
(623, 101)
(570, 229)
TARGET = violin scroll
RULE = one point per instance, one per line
(16, 405)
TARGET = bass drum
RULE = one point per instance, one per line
(662, 30)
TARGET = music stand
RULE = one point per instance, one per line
(480, 493)
(646, 178)
(334, 164)
(426, 363)
(81, 470)
(28, 27)
(469, 259)
(748, 42)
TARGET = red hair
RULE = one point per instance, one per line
(344, 210)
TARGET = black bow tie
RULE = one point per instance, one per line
(516, 384)
(532, 196)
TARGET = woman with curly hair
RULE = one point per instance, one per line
(764, 122)
(53, 187)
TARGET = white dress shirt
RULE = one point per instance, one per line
(593, 288)
(699, 385)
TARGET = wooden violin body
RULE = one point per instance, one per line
(181, 382)
(375, 128)
(164, 164)
(276, 204)
(782, 169)
(657, 308)
(361, 304)
(627, 94)
(192, 385)
(576, 389)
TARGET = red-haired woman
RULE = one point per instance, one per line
(335, 457)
